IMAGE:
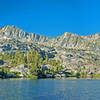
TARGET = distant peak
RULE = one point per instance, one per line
(97, 34)
(69, 34)
(11, 26)
(65, 34)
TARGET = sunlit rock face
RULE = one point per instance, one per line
(74, 51)
(13, 32)
(67, 40)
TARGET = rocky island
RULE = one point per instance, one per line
(29, 55)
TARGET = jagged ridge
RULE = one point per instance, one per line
(72, 50)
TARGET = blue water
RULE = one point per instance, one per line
(50, 89)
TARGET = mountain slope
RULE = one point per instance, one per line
(74, 51)
(67, 40)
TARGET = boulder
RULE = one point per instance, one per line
(49, 76)
(57, 76)
(22, 69)
(63, 75)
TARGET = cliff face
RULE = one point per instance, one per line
(70, 40)
(73, 50)
(67, 40)
(13, 32)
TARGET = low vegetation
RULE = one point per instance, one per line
(34, 62)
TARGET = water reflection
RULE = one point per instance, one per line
(50, 89)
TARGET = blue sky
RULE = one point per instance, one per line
(52, 17)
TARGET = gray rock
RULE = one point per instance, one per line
(22, 69)
(57, 76)
(49, 76)
(77, 53)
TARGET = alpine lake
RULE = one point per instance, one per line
(50, 89)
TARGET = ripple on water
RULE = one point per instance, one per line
(50, 89)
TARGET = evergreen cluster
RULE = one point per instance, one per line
(33, 60)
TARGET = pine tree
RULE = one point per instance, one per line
(46, 59)
(58, 68)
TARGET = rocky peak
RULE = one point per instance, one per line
(92, 37)
(69, 33)
(73, 50)
(13, 32)
(36, 38)
(96, 36)
(67, 40)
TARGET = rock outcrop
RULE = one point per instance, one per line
(74, 51)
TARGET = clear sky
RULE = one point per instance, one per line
(52, 17)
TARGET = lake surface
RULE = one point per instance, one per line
(50, 89)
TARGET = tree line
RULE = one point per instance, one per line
(33, 60)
